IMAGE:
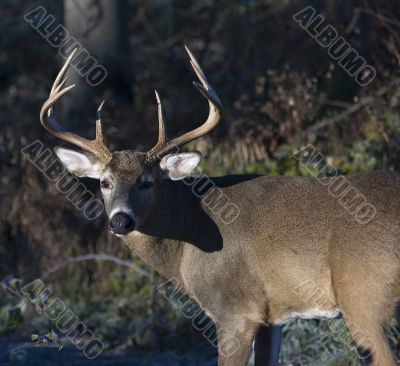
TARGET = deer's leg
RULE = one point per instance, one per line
(234, 343)
(267, 346)
(368, 333)
(397, 315)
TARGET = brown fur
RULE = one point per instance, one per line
(290, 239)
(293, 249)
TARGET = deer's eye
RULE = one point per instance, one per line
(146, 183)
(105, 184)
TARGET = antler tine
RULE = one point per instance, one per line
(99, 131)
(205, 88)
(62, 72)
(215, 105)
(162, 139)
(51, 124)
(214, 115)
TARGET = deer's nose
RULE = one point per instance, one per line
(121, 223)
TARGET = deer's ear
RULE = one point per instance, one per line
(179, 166)
(81, 164)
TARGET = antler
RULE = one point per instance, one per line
(162, 138)
(50, 123)
(214, 116)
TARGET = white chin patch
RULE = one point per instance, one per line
(132, 233)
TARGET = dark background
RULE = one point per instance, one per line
(280, 91)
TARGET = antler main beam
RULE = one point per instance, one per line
(214, 116)
(51, 124)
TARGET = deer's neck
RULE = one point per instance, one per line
(160, 254)
(178, 220)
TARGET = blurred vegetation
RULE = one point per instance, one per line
(280, 91)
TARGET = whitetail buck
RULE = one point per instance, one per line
(290, 238)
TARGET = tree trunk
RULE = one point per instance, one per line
(100, 26)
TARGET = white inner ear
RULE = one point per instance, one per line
(180, 166)
(80, 164)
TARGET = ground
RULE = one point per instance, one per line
(15, 352)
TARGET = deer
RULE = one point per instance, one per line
(289, 238)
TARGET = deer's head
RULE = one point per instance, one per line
(129, 180)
